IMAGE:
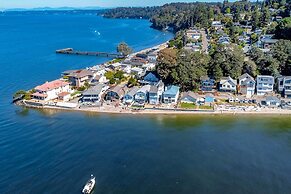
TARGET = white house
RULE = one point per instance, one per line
(247, 85)
(227, 84)
(51, 90)
(284, 86)
(265, 84)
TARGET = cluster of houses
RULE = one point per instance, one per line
(196, 40)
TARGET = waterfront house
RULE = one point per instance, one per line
(273, 101)
(94, 94)
(78, 78)
(64, 96)
(247, 85)
(207, 83)
(129, 97)
(189, 97)
(51, 90)
(154, 97)
(284, 86)
(171, 94)
(227, 84)
(265, 84)
(141, 96)
(116, 92)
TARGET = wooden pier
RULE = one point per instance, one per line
(71, 51)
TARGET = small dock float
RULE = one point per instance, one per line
(71, 51)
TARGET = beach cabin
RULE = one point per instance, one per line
(94, 94)
(247, 85)
(171, 94)
(189, 97)
(141, 96)
(265, 84)
(273, 101)
(116, 93)
(209, 99)
(129, 97)
(227, 84)
(51, 90)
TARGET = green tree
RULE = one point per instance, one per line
(281, 51)
(124, 49)
(167, 62)
(283, 29)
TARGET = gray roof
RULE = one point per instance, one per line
(272, 98)
(119, 89)
(94, 90)
(153, 89)
(226, 79)
(133, 91)
(191, 94)
(144, 89)
(244, 76)
(80, 73)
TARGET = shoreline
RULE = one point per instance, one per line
(162, 112)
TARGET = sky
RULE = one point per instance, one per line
(83, 3)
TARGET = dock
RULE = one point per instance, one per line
(71, 51)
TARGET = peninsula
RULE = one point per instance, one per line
(225, 58)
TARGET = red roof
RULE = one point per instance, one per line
(51, 85)
(39, 95)
(63, 94)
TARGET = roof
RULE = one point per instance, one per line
(248, 80)
(151, 77)
(144, 89)
(226, 79)
(94, 90)
(39, 95)
(191, 94)
(81, 73)
(153, 89)
(272, 98)
(244, 76)
(133, 91)
(51, 85)
(63, 94)
(172, 90)
(119, 89)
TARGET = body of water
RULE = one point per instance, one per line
(55, 152)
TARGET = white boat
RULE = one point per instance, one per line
(88, 188)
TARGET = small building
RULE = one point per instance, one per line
(141, 96)
(94, 94)
(116, 93)
(193, 34)
(207, 83)
(273, 101)
(51, 90)
(247, 85)
(129, 97)
(224, 40)
(171, 94)
(152, 57)
(189, 97)
(209, 99)
(265, 84)
(64, 96)
(137, 61)
(217, 25)
(227, 84)
(99, 79)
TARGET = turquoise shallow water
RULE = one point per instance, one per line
(55, 152)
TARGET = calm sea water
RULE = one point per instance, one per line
(55, 152)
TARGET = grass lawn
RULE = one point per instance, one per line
(205, 107)
(188, 105)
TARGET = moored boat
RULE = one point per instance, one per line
(88, 188)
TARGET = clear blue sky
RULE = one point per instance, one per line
(83, 3)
